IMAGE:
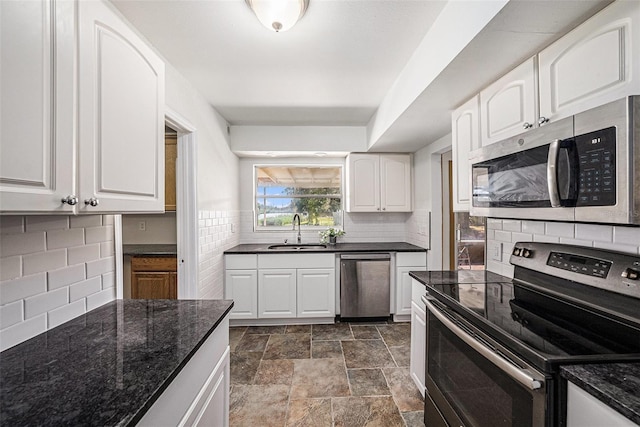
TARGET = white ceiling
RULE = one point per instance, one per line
(338, 63)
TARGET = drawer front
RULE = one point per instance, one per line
(296, 261)
(241, 262)
(411, 259)
(154, 264)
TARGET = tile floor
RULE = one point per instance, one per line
(343, 375)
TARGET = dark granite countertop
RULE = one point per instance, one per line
(104, 368)
(150, 249)
(262, 248)
(616, 384)
(451, 277)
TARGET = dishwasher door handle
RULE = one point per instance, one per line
(365, 257)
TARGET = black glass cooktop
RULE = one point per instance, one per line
(546, 330)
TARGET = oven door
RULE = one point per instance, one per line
(472, 381)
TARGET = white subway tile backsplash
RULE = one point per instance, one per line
(494, 224)
(20, 244)
(616, 247)
(521, 237)
(108, 280)
(107, 219)
(10, 268)
(107, 249)
(560, 229)
(83, 221)
(502, 236)
(99, 234)
(626, 235)
(22, 331)
(577, 242)
(595, 232)
(65, 276)
(42, 303)
(101, 266)
(512, 225)
(44, 261)
(64, 314)
(18, 289)
(84, 288)
(82, 254)
(545, 238)
(101, 298)
(57, 239)
(533, 227)
(46, 223)
(11, 224)
(10, 314)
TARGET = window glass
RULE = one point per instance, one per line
(313, 192)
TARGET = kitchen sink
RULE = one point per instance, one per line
(295, 247)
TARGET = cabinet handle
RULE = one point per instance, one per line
(92, 202)
(70, 200)
(527, 125)
(384, 209)
(542, 120)
(378, 209)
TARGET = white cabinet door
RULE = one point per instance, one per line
(211, 407)
(242, 287)
(596, 63)
(465, 134)
(277, 293)
(363, 176)
(316, 292)
(120, 115)
(395, 183)
(507, 106)
(418, 346)
(584, 410)
(36, 105)
(403, 289)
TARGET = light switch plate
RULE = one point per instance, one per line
(495, 251)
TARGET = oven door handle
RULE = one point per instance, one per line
(552, 174)
(503, 364)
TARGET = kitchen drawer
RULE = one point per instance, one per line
(411, 259)
(154, 264)
(240, 262)
(296, 261)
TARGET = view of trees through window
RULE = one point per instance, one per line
(313, 192)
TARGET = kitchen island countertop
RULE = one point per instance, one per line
(106, 367)
(262, 248)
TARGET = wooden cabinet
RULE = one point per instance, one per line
(584, 410)
(465, 134)
(508, 106)
(596, 63)
(170, 157)
(418, 337)
(316, 294)
(154, 277)
(109, 85)
(379, 182)
(277, 293)
(406, 262)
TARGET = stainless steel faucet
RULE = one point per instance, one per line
(294, 226)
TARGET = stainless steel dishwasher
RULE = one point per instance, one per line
(365, 285)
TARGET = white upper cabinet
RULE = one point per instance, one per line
(465, 134)
(115, 100)
(596, 63)
(379, 182)
(37, 110)
(507, 107)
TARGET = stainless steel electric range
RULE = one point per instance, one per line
(494, 348)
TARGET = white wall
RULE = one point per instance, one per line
(159, 229)
(52, 269)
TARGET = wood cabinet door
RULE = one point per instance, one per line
(418, 346)
(507, 106)
(37, 106)
(596, 63)
(276, 293)
(363, 176)
(316, 293)
(242, 287)
(395, 182)
(154, 285)
(465, 134)
(120, 115)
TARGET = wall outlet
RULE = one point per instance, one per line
(495, 251)
(142, 226)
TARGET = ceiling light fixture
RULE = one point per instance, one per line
(278, 15)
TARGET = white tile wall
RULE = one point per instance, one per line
(53, 268)
(618, 238)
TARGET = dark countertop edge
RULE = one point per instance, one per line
(261, 248)
(572, 373)
(150, 249)
(165, 384)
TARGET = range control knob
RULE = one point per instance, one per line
(527, 253)
(631, 274)
(517, 251)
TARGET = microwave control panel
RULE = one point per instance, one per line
(597, 168)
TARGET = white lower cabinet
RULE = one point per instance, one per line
(406, 262)
(584, 410)
(242, 287)
(418, 337)
(277, 293)
(316, 292)
(199, 394)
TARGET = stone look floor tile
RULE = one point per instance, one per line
(274, 372)
(365, 332)
(338, 331)
(326, 349)
(256, 405)
(414, 419)
(252, 343)
(298, 329)
(235, 335)
(396, 334)
(266, 330)
(403, 389)
(309, 413)
(402, 355)
(288, 346)
(319, 378)
(244, 366)
(367, 354)
(366, 412)
(368, 382)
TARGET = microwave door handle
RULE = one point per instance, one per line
(552, 174)
(503, 364)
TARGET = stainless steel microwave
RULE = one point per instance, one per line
(584, 168)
